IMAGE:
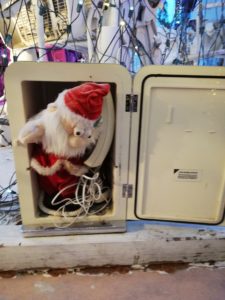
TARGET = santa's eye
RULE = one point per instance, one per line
(78, 132)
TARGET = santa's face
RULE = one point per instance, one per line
(68, 136)
(70, 125)
(81, 135)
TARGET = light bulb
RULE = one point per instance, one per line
(122, 23)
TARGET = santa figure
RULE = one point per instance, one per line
(62, 133)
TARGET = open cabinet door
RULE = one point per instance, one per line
(180, 169)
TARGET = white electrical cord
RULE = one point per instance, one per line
(88, 191)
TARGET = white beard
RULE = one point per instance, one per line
(56, 139)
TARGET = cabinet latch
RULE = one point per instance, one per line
(127, 190)
(131, 103)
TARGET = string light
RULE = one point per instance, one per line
(122, 23)
(106, 4)
(131, 11)
(79, 6)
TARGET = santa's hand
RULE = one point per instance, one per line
(76, 170)
(30, 133)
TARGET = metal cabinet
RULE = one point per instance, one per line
(168, 152)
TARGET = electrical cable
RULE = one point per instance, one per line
(218, 35)
(118, 30)
(134, 38)
(10, 13)
(96, 50)
(32, 34)
(3, 18)
(88, 192)
(17, 18)
(9, 205)
(89, 32)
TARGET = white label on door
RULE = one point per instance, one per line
(187, 175)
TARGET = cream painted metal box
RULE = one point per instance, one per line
(29, 88)
(168, 152)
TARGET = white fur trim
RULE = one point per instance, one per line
(46, 171)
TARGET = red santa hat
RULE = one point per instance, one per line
(86, 99)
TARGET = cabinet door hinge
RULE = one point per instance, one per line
(131, 103)
(127, 190)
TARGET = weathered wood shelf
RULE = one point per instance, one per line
(143, 243)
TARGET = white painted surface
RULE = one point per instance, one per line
(141, 244)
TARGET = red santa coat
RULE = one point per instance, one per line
(60, 179)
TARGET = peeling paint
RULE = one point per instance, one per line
(162, 272)
(137, 267)
(136, 259)
(206, 246)
(44, 287)
(176, 239)
(168, 267)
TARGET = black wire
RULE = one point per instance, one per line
(6, 204)
(95, 43)
(97, 9)
(3, 106)
(55, 45)
(183, 40)
(71, 31)
(17, 18)
(4, 21)
(121, 35)
(112, 50)
(95, 47)
(28, 16)
(134, 37)
(89, 32)
(139, 44)
(131, 42)
(111, 53)
(168, 47)
(10, 12)
(218, 34)
(5, 139)
(181, 33)
(109, 44)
